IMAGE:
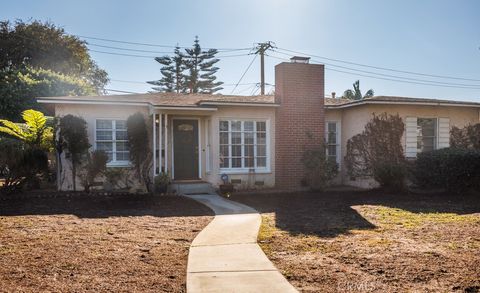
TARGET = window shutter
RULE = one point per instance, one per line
(443, 133)
(411, 137)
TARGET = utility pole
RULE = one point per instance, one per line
(261, 48)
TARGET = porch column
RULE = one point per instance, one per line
(166, 142)
(160, 145)
(154, 140)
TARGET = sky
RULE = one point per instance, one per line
(432, 37)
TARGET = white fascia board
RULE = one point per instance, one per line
(239, 104)
(83, 102)
(402, 103)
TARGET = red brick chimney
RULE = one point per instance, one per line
(299, 121)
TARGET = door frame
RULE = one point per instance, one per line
(199, 144)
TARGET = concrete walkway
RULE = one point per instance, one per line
(225, 256)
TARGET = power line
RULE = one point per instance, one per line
(156, 45)
(393, 76)
(245, 72)
(381, 68)
(384, 78)
(145, 83)
(120, 91)
(127, 49)
(153, 57)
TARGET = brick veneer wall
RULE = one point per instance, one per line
(299, 121)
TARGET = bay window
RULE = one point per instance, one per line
(111, 137)
(243, 144)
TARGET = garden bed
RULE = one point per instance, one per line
(372, 242)
(98, 243)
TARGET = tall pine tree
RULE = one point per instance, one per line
(173, 77)
(200, 65)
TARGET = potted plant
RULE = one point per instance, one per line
(161, 182)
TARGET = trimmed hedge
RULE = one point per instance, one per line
(454, 169)
(390, 176)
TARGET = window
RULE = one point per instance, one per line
(426, 134)
(111, 137)
(243, 144)
(332, 141)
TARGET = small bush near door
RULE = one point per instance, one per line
(454, 169)
(390, 176)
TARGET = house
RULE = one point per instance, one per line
(258, 141)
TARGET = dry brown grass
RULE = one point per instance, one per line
(97, 244)
(371, 242)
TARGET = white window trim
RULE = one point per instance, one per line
(338, 139)
(114, 162)
(262, 170)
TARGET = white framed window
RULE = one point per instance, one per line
(426, 134)
(244, 145)
(111, 137)
(332, 140)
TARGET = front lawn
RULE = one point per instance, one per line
(372, 242)
(97, 244)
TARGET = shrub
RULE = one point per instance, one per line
(22, 165)
(118, 177)
(467, 137)
(161, 182)
(390, 176)
(96, 164)
(454, 169)
(379, 144)
(319, 169)
(140, 154)
(74, 139)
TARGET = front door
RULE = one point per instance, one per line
(185, 148)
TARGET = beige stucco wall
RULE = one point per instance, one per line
(208, 132)
(354, 119)
(209, 143)
(90, 113)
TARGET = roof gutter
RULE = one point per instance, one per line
(238, 104)
(401, 103)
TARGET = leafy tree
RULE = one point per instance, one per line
(356, 94)
(200, 65)
(34, 132)
(378, 151)
(173, 77)
(20, 86)
(96, 164)
(44, 45)
(140, 154)
(74, 139)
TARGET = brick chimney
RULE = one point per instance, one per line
(299, 121)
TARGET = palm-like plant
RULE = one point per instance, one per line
(356, 94)
(34, 132)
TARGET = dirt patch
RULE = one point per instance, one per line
(372, 242)
(98, 244)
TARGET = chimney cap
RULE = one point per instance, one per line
(300, 59)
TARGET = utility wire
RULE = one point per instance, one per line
(380, 68)
(245, 72)
(127, 49)
(120, 91)
(156, 45)
(384, 78)
(153, 57)
(392, 76)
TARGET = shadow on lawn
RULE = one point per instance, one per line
(105, 206)
(330, 214)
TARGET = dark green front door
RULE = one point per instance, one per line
(185, 148)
